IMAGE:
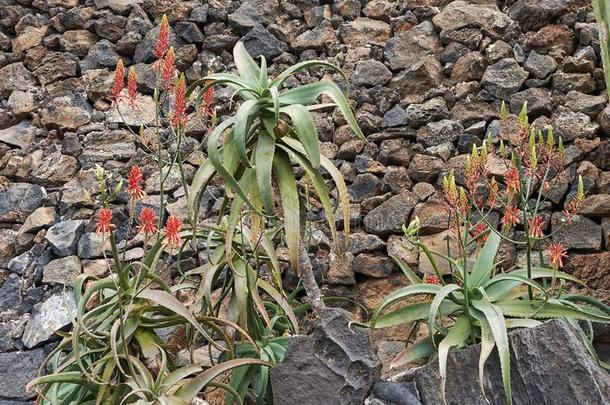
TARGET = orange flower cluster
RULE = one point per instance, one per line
(172, 231)
(179, 116)
(147, 222)
(104, 221)
(134, 183)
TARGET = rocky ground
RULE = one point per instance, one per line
(427, 79)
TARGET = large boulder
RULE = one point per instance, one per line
(335, 365)
(549, 365)
(18, 369)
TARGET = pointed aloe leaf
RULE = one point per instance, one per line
(484, 264)
(170, 302)
(263, 79)
(190, 390)
(265, 149)
(321, 190)
(495, 318)
(305, 130)
(309, 93)
(439, 297)
(404, 267)
(401, 294)
(282, 302)
(458, 333)
(541, 310)
(243, 121)
(213, 153)
(246, 66)
(335, 174)
(289, 195)
(422, 349)
(487, 345)
(279, 80)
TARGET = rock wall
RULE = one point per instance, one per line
(427, 80)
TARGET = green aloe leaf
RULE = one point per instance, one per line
(487, 345)
(401, 294)
(279, 80)
(495, 318)
(265, 149)
(243, 120)
(305, 130)
(436, 303)
(484, 264)
(457, 336)
(290, 205)
(404, 267)
(246, 66)
(422, 349)
(309, 93)
(190, 390)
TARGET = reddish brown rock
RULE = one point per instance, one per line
(593, 269)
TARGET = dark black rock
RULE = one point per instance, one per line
(549, 365)
(335, 365)
(19, 200)
(189, 32)
(258, 41)
(396, 117)
(102, 54)
(396, 393)
(18, 369)
(200, 14)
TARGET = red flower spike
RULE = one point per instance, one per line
(432, 279)
(479, 229)
(148, 221)
(104, 221)
(172, 231)
(512, 216)
(556, 253)
(119, 82)
(169, 69)
(535, 226)
(179, 117)
(162, 41)
(132, 87)
(512, 181)
(207, 103)
(134, 183)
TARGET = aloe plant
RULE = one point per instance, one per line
(255, 149)
(481, 309)
(602, 15)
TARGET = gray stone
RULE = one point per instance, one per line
(375, 264)
(565, 82)
(54, 169)
(62, 271)
(425, 168)
(56, 66)
(565, 372)
(422, 76)
(391, 215)
(365, 185)
(365, 31)
(48, 317)
(18, 369)
(583, 61)
(100, 55)
(260, 42)
(100, 147)
(432, 110)
(395, 117)
(340, 269)
(436, 133)
(189, 32)
(571, 125)
(67, 113)
(540, 66)
(19, 200)
(584, 103)
(539, 102)
(335, 365)
(253, 12)
(581, 233)
(407, 48)
(370, 73)
(92, 245)
(64, 236)
(462, 14)
(20, 135)
(503, 78)
(364, 242)
(15, 77)
(396, 393)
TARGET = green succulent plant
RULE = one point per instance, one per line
(478, 307)
(255, 149)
